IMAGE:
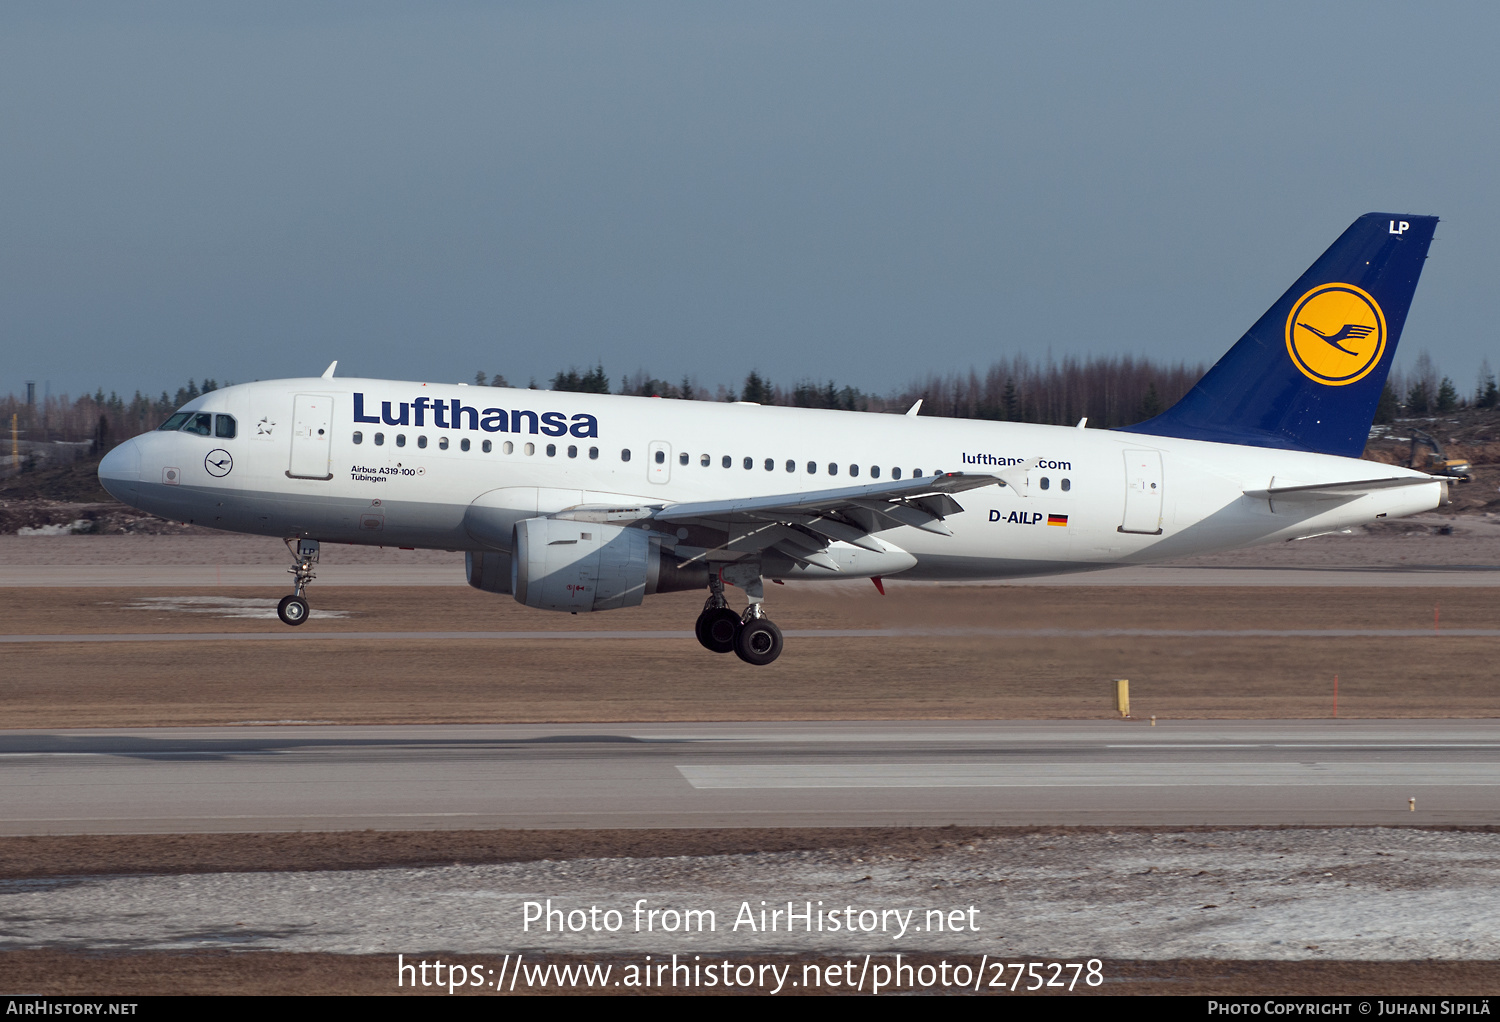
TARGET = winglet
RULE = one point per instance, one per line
(1015, 476)
(912, 411)
(328, 373)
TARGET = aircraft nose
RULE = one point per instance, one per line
(120, 470)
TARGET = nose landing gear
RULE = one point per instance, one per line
(293, 609)
(751, 636)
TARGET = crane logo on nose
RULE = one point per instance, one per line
(218, 463)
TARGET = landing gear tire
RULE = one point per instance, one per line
(717, 629)
(292, 610)
(758, 643)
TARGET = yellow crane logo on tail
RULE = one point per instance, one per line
(1335, 334)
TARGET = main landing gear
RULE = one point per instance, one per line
(293, 609)
(752, 636)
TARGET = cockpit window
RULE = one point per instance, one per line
(224, 427)
(175, 422)
(201, 423)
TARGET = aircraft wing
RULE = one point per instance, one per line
(802, 525)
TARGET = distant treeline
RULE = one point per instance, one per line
(1108, 391)
(102, 420)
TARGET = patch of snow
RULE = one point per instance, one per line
(258, 608)
(77, 527)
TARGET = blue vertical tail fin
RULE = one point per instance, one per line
(1308, 375)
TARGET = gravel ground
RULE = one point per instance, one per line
(1347, 894)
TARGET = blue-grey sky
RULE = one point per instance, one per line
(862, 191)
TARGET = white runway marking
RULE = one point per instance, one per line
(1085, 775)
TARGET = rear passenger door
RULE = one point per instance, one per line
(1143, 484)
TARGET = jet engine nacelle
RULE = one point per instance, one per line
(577, 566)
(488, 570)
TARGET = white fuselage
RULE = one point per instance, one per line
(1096, 497)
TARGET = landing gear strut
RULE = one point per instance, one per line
(293, 609)
(751, 636)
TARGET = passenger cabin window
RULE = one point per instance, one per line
(530, 449)
(728, 461)
(625, 454)
(791, 466)
(874, 471)
(422, 442)
(854, 470)
(916, 473)
(683, 458)
(749, 463)
(895, 473)
(1046, 483)
(661, 457)
(812, 468)
(833, 469)
(379, 439)
(443, 443)
(509, 447)
(400, 439)
(593, 451)
(572, 451)
(463, 444)
(224, 427)
(487, 447)
(1067, 484)
(704, 461)
(359, 437)
(175, 422)
(551, 450)
(770, 464)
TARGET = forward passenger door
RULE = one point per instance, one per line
(312, 437)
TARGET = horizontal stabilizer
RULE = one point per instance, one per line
(1314, 492)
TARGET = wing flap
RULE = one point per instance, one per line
(748, 509)
(802, 525)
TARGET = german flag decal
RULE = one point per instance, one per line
(1057, 519)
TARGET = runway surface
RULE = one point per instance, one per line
(896, 773)
(275, 576)
(791, 633)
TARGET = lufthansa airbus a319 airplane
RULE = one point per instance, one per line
(584, 502)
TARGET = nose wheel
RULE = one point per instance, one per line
(292, 610)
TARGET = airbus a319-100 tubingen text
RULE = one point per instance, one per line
(588, 502)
